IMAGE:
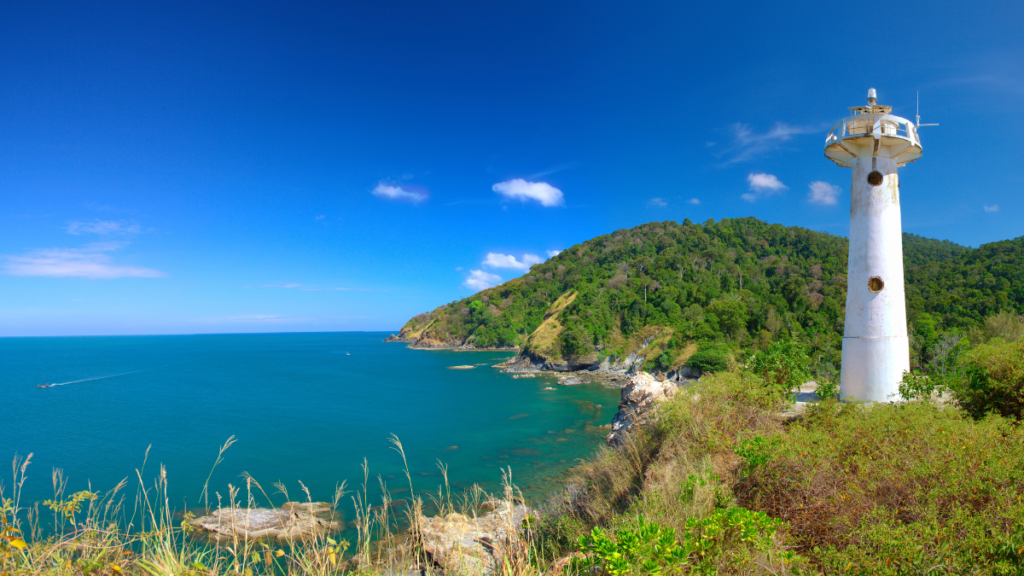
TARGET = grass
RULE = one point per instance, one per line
(909, 488)
(113, 533)
(719, 483)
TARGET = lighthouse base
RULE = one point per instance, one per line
(873, 367)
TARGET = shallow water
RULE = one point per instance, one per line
(300, 408)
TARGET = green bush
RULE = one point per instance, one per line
(647, 549)
(652, 549)
(896, 489)
(993, 380)
(783, 366)
(710, 359)
(663, 362)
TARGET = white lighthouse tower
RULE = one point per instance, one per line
(876, 351)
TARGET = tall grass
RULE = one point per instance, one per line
(115, 533)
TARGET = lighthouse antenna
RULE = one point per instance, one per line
(918, 116)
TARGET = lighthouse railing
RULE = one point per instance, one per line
(876, 125)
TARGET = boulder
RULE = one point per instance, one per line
(294, 521)
(639, 396)
(463, 545)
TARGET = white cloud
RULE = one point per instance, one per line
(553, 253)
(749, 145)
(762, 185)
(479, 280)
(519, 189)
(823, 193)
(694, 201)
(320, 217)
(458, 268)
(992, 208)
(495, 260)
(90, 261)
(389, 192)
(657, 202)
(104, 228)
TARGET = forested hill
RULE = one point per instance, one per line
(741, 283)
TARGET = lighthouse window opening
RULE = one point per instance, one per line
(875, 284)
(875, 178)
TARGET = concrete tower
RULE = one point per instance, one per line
(876, 351)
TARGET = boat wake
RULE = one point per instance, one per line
(91, 379)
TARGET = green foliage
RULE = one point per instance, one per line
(712, 536)
(783, 366)
(649, 549)
(710, 359)
(755, 451)
(652, 549)
(663, 362)
(687, 277)
(828, 389)
(896, 489)
(917, 386)
(993, 380)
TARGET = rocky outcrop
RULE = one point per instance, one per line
(463, 545)
(295, 521)
(639, 397)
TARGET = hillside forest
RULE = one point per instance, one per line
(724, 290)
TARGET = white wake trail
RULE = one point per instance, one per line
(96, 378)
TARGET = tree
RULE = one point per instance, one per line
(732, 314)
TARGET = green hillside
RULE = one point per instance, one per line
(739, 283)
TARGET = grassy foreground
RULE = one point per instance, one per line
(718, 484)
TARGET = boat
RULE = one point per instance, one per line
(44, 385)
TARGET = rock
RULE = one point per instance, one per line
(638, 398)
(463, 545)
(294, 521)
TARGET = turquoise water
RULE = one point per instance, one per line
(301, 409)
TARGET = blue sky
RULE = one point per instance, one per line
(242, 167)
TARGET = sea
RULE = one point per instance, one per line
(304, 409)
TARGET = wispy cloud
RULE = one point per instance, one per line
(104, 228)
(391, 192)
(553, 170)
(823, 193)
(694, 201)
(763, 185)
(992, 208)
(553, 253)
(749, 145)
(519, 189)
(479, 280)
(657, 202)
(495, 260)
(90, 261)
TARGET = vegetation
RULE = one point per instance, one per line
(912, 488)
(740, 283)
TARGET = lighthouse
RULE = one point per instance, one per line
(876, 352)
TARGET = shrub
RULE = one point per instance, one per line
(711, 359)
(663, 362)
(647, 549)
(896, 489)
(783, 366)
(993, 380)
